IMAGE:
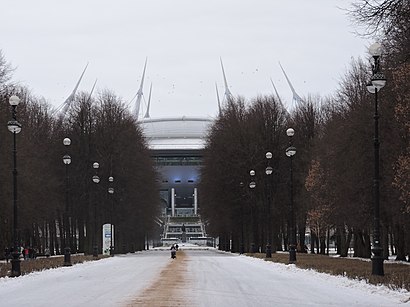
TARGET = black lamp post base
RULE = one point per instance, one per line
(292, 254)
(15, 265)
(95, 251)
(268, 251)
(377, 266)
(377, 261)
(67, 256)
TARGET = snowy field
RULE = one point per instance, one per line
(196, 278)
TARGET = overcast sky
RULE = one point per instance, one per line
(50, 42)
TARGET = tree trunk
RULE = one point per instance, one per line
(392, 242)
(285, 237)
(328, 240)
(44, 237)
(385, 241)
(312, 242)
(338, 242)
(62, 232)
(361, 244)
(344, 241)
(52, 228)
(400, 243)
(323, 245)
(302, 237)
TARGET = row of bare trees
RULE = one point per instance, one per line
(101, 130)
(333, 166)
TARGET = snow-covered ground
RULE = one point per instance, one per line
(203, 278)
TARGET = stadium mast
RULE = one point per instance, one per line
(139, 93)
(228, 94)
(296, 98)
(66, 104)
(149, 103)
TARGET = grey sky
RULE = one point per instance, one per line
(50, 42)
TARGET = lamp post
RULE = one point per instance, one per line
(268, 172)
(96, 180)
(252, 185)
(378, 81)
(67, 251)
(290, 152)
(241, 247)
(111, 192)
(15, 127)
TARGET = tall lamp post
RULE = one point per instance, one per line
(15, 127)
(111, 192)
(241, 247)
(252, 185)
(268, 172)
(378, 81)
(96, 180)
(290, 152)
(67, 251)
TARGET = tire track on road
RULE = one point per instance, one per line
(169, 289)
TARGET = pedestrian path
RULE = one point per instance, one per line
(196, 278)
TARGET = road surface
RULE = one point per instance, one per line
(195, 278)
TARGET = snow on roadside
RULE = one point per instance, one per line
(106, 282)
(401, 295)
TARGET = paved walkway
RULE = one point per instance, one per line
(197, 278)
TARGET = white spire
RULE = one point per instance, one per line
(149, 103)
(217, 97)
(276, 92)
(228, 94)
(92, 89)
(66, 104)
(296, 97)
(277, 95)
(139, 93)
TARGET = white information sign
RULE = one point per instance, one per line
(106, 239)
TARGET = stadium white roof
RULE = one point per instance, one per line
(176, 133)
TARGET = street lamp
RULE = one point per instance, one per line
(290, 152)
(111, 192)
(378, 81)
(67, 251)
(96, 180)
(241, 247)
(252, 185)
(268, 172)
(15, 127)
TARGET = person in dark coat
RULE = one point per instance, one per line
(173, 251)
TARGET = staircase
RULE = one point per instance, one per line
(184, 229)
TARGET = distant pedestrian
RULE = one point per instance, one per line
(25, 253)
(173, 251)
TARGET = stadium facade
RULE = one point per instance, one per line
(176, 145)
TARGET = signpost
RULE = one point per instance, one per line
(106, 238)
